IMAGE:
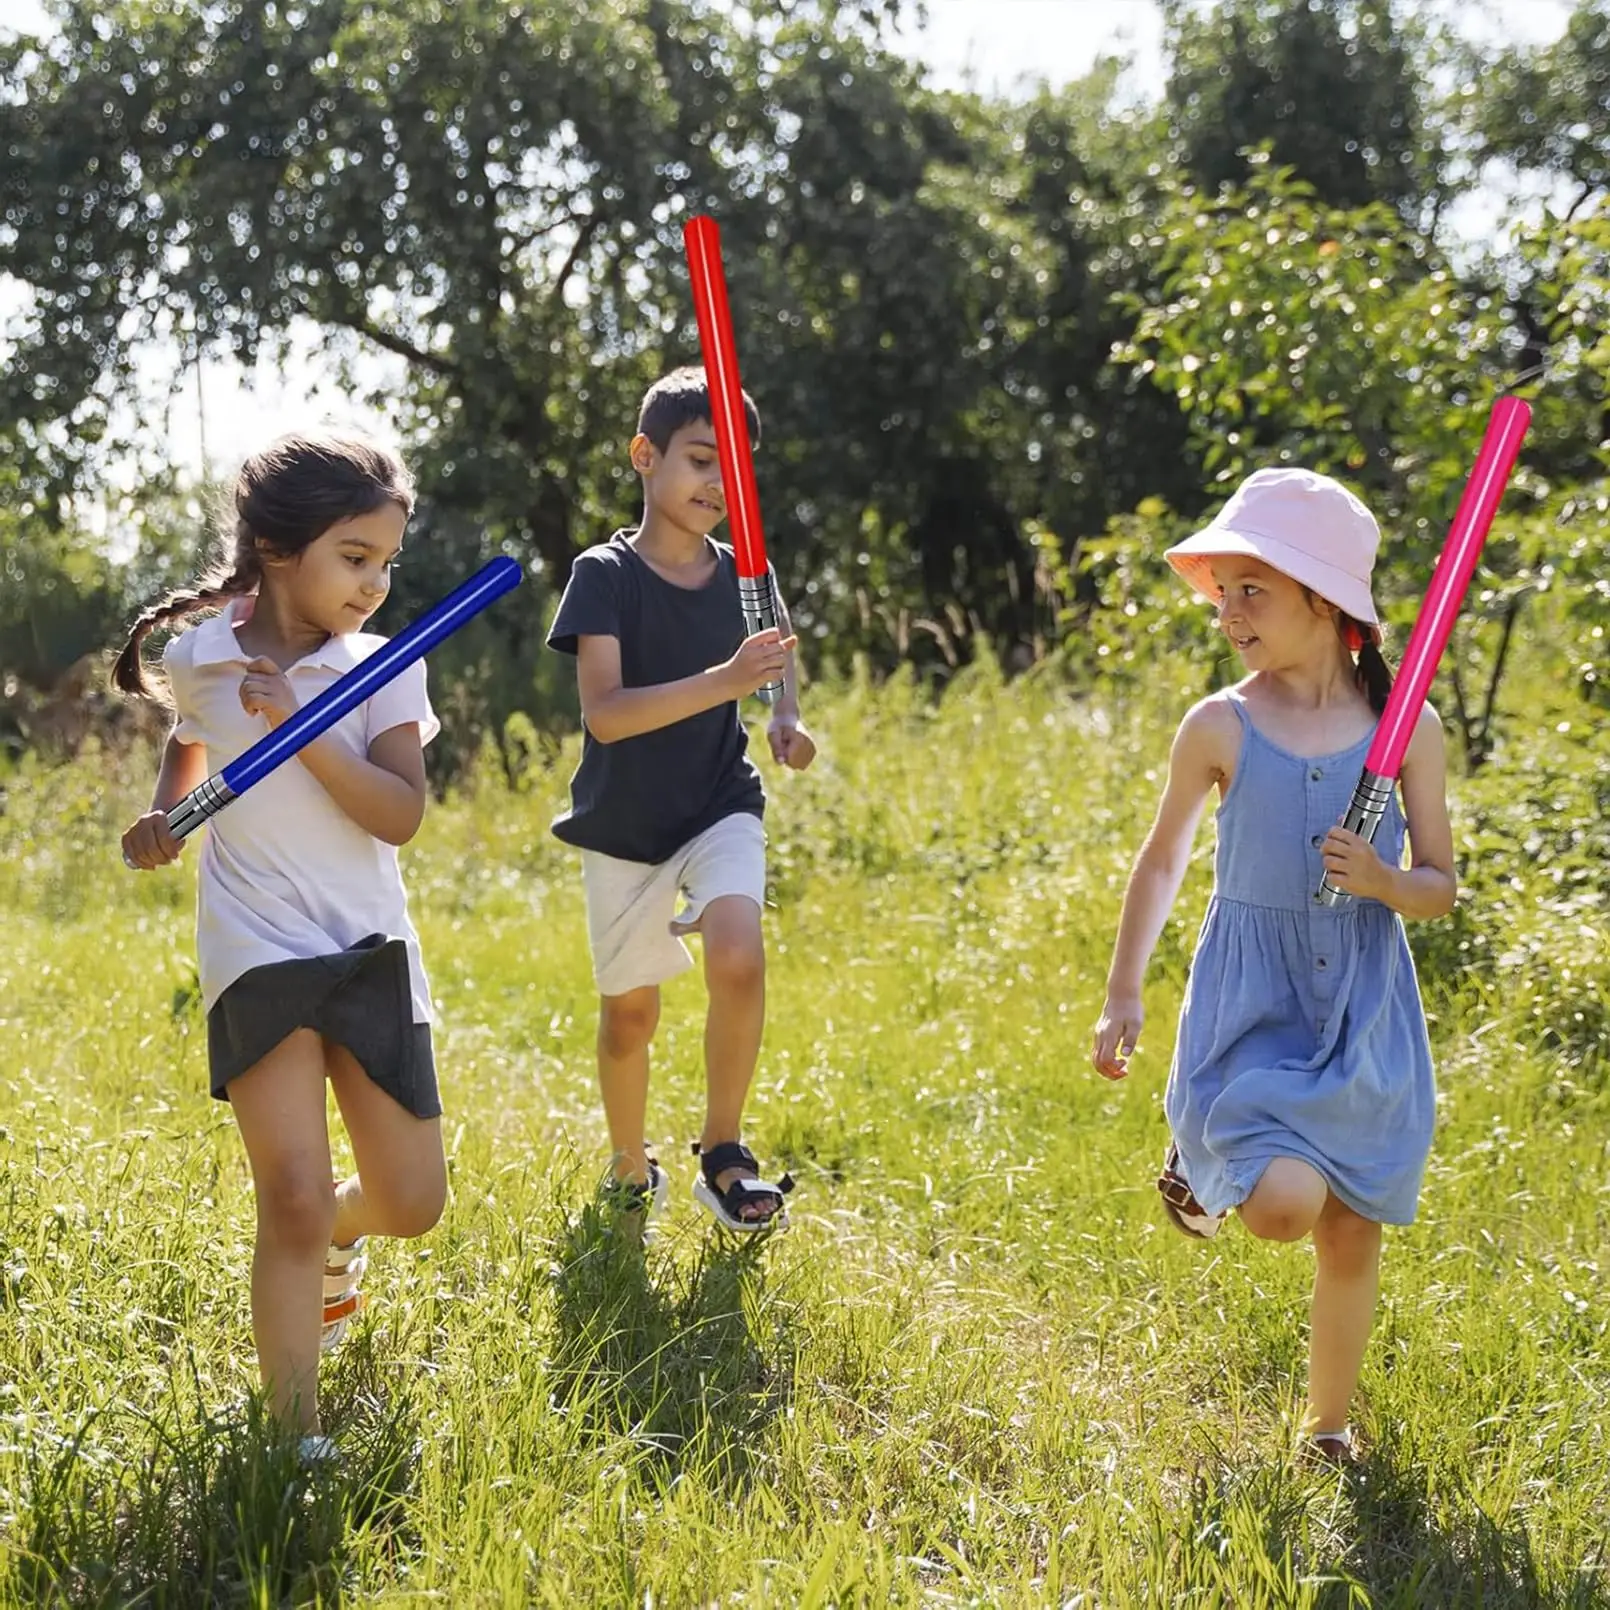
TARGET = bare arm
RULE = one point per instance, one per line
(792, 742)
(1195, 764)
(184, 767)
(613, 712)
(384, 793)
(148, 844)
(1193, 768)
(787, 707)
(1427, 888)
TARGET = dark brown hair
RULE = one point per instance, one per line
(285, 498)
(1372, 673)
(683, 398)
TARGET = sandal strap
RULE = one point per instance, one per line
(729, 1154)
(734, 1154)
(338, 1257)
(1176, 1189)
(343, 1308)
(748, 1187)
(635, 1195)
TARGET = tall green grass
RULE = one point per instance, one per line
(979, 1369)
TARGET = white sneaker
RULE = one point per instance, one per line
(316, 1449)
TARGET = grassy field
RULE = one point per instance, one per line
(979, 1370)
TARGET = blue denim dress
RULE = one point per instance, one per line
(1302, 1032)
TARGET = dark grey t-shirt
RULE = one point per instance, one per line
(643, 798)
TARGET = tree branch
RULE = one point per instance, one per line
(405, 349)
(531, 236)
(360, 323)
(1466, 728)
(1588, 190)
(584, 237)
(1512, 608)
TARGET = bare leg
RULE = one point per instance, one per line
(279, 1106)
(1347, 1279)
(735, 976)
(1287, 1202)
(400, 1188)
(626, 1025)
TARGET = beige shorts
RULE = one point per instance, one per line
(632, 920)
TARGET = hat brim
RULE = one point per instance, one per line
(1193, 559)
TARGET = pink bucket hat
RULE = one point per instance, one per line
(1302, 524)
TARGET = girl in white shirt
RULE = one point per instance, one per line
(310, 967)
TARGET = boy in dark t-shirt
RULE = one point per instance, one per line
(666, 800)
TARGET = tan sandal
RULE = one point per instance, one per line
(1180, 1203)
(1329, 1448)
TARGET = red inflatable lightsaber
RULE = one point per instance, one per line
(702, 240)
(1483, 491)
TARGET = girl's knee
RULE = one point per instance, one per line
(1276, 1220)
(1346, 1242)
(296, 1207)
(1286, 1203)
(626, 1023)
(414, 1207)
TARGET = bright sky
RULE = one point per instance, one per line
(996, 44)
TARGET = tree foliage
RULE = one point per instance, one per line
(982, 334)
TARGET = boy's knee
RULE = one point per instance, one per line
(735, 964)
(626, 1023)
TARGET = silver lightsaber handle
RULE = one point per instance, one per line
(759, 603)
(205, 800)
(1370, 800)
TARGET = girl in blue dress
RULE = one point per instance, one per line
(1301, 1093)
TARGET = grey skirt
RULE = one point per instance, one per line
(361, 998)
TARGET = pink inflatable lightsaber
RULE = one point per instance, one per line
(702, 239)
(1506, 428)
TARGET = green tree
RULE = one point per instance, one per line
(494, 193)
(60, 597)
(1546, 109)
(1335, 88)
(1289, 331)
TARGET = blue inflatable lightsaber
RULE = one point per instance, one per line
(363, 681)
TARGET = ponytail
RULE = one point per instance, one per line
(1374, 677)
(212, 591)
(1373, 674)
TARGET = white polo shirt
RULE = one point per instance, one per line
(285, 873)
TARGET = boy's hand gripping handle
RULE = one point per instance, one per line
(759, 602)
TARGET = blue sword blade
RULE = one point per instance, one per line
(312, 720)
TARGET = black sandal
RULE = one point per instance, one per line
(647, 1197)
(724, 1206)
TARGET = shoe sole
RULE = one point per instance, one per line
(704, 1194)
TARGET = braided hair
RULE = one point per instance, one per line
(285, 498)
